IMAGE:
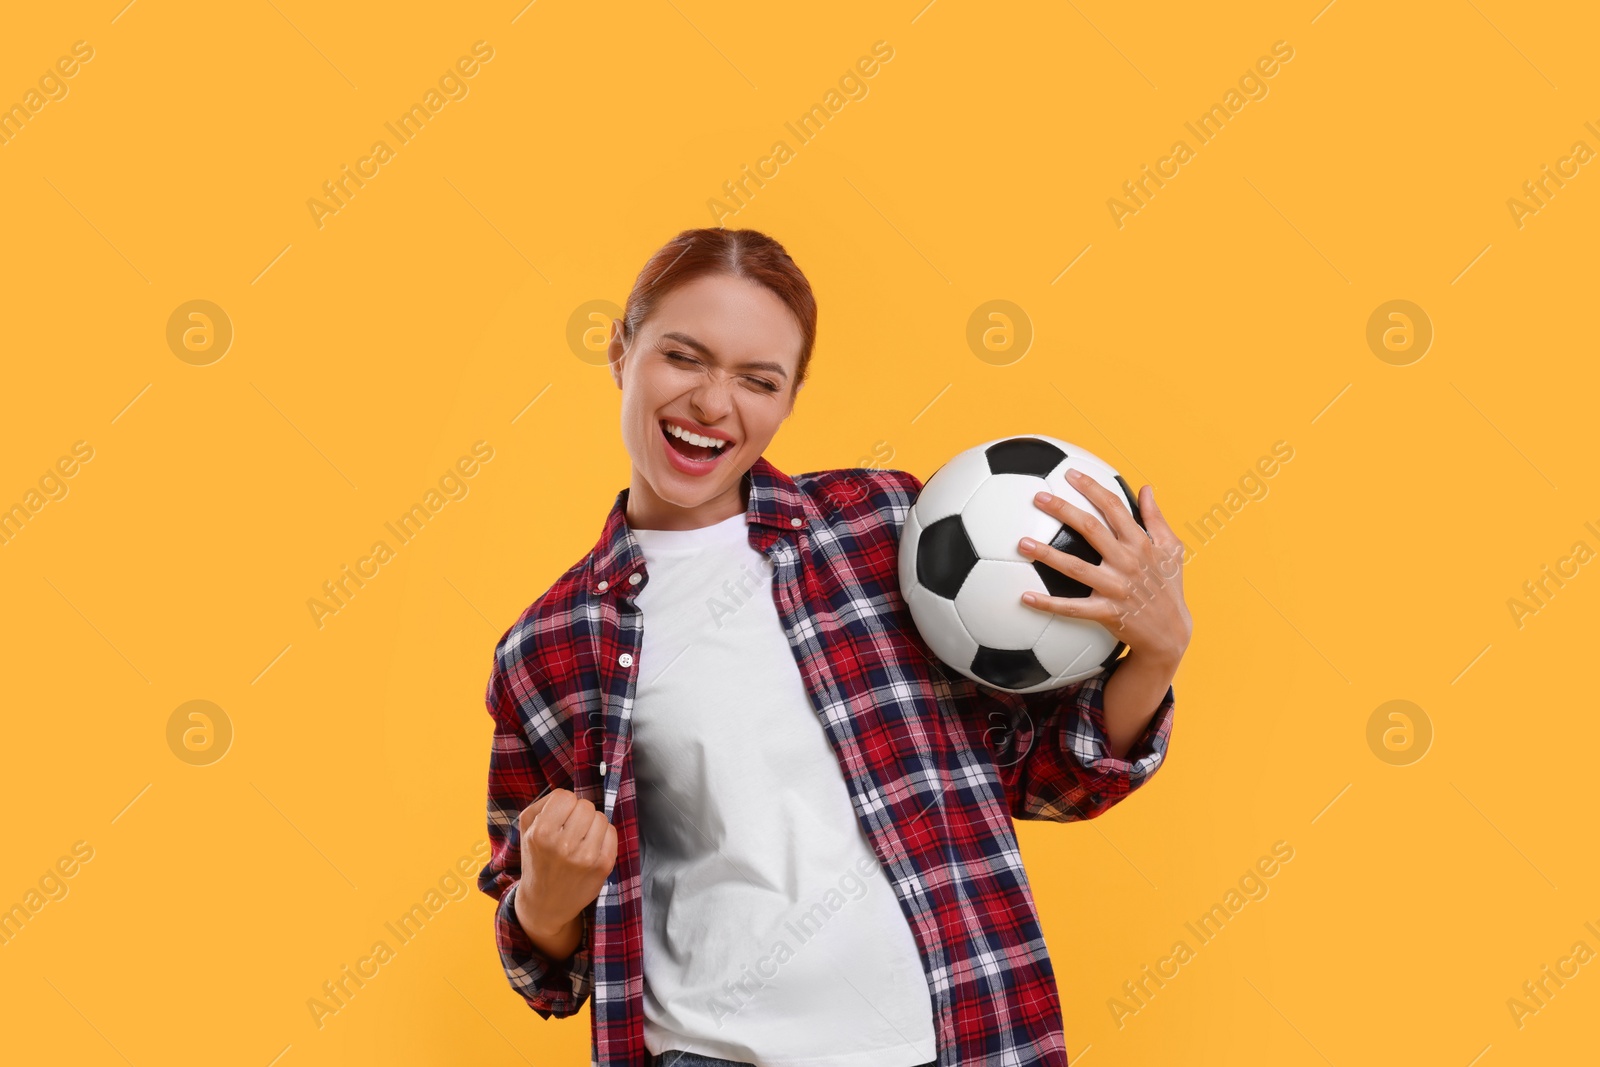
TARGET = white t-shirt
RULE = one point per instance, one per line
(771, 932)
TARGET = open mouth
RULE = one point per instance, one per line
(694, 453)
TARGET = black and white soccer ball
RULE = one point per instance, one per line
(963, 577)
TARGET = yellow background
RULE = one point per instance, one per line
(1228, 314)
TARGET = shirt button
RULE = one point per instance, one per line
(794, 521)
(634, 578)
(626, 659)
(602, 767)
(601, 588)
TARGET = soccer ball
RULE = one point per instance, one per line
(963, 577)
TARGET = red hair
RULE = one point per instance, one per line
(748, 254)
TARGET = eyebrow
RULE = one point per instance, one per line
(683, 338)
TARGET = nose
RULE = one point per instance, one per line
(711, 400)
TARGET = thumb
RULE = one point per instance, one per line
(608, 854)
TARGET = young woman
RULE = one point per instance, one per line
(733, 798)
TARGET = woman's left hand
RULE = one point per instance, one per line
(1138, 585)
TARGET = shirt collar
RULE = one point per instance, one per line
(776, 506)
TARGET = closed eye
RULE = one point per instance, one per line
(761, 382)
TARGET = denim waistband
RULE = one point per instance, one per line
(678, 1058)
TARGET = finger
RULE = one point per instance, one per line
(595, 830)
(576, 824)
(594, 839)
(1161, 531)
(1087, 526)
(1094, 608)
(608, 854)
(548, 821)
(528, 813)
(1099, 578)
(1170, 548)
(1111, 505)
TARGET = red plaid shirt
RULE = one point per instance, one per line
(937, 765)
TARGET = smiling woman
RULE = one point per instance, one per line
(724, 705)
(710, 354)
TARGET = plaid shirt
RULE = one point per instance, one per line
(937, 765)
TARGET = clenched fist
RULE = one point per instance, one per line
(568, 850)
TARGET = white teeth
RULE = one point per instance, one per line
(694, 438)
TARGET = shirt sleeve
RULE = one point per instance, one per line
(552, 988)
(1052, 754)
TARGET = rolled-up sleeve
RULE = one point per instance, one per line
(1053, 756)
(553, 988)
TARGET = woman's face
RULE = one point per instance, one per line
(717, 358)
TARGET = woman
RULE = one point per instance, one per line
(769, 827)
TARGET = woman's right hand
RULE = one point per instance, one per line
(568, 850)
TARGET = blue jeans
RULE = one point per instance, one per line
(679, 1058)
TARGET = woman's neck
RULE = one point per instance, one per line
(646, 510)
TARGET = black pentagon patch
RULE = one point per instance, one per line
(945, 557)
(1133, 501)
(1009, 668)
(1057, 584)
(1024, 455)
(1106, 663)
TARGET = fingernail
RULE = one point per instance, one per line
(1043, 497)
(1027, 544)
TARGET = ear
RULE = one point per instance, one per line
(615, 352)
